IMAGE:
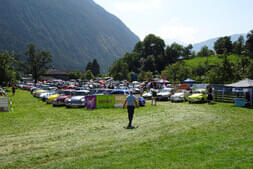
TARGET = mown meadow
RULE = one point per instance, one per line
(170, 135)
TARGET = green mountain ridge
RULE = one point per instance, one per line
(74, 31)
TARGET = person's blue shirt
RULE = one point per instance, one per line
(131, 99)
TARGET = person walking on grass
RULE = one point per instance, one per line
(154, 97)
(13, 89)
(131, 104)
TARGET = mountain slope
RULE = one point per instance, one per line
(75, 31)
(210, 43)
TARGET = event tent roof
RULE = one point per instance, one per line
(243, 84)
(189, 80)
(162, 81)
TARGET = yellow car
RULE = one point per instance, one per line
(36, 92)
(52, 97)
(199, 95)
(2, 94)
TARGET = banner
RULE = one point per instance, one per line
(199, 86)
(90, 102)
(105, 101)
(4, 104)
(119, 100)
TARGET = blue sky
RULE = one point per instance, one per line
(189, 21)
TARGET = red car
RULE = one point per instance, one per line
(69, 87)
(60, 101)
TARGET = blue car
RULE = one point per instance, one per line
(120, 91)
(142, 101)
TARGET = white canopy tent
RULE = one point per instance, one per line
(246, 83)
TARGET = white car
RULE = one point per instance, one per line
(178, 97)
(164, 94)
(147, 95)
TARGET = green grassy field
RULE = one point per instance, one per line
(170, 135)
(212, 60)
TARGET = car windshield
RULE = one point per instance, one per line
(100, 91)
(107, 92)
(92, 92)
(165, 90)
(45, 87)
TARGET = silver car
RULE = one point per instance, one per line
(179, 97)
(164, 94)
(77, 99)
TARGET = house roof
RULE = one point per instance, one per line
(56, 72)
(189, 80)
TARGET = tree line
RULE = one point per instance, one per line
(152, 57)
(36, 62)
(92, 70)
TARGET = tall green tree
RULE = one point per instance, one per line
(214, 75)
(204, 52)
(238, 46)
(172, 53)
(8, 65)
(133, 61)
(89, 75)
(119, 70)
(153, 45)
(74, 75)
(187, 51)
(139, 48)
(89, 66)
(93, 67)
(96, 67)
(145, 76)
(199, 72)
(222, 73)
(250, 70)
(177, 72)
(223, 44)
(149, 64)
(37, 62)
(249, 43)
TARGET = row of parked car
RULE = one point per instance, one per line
(198, 95)
(71, 97)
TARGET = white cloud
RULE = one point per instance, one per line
(137, 5)
(175, 29)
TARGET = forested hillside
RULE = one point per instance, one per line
(228, 62)
(75, 31)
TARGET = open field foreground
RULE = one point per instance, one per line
(170, 135)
